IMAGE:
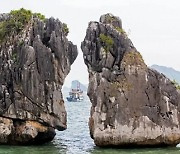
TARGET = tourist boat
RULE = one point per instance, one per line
(75, 95)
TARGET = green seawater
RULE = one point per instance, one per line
(76, 139)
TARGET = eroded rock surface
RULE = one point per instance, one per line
(132, 105)
(33, 67)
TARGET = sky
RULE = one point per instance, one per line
(153, 26)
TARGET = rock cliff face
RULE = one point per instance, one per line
(132, 105)
(33, 65)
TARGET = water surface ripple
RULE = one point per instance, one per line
(76, 139)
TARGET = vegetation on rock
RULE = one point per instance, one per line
(123, 85)
(65, 29)
(107, 42)
(16, 22)
(39, 15)
(176, 84)
(133, 58)
(110, 19)
(120, 30)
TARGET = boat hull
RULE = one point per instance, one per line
(69, 99)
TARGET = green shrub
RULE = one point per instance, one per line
(65, 29)
(14, 57)
(2, 32)
(176, 84)
(19, 18)
(107, 42)
(17, 21)
(110, 19)
(39, 15)
(120, 30)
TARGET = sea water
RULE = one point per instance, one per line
(76, 139)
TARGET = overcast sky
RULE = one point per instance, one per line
(154, 25)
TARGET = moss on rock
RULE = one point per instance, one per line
(65, 29)
(107, 42)
(176, 84)
(133, 58)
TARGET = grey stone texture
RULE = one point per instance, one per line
(33, 67)
(132, 105)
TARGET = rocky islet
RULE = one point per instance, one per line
(34, 62)
(132, 105)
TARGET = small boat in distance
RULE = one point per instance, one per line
(76, 94)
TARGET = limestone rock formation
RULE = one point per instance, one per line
(132, 105)
(34, 61)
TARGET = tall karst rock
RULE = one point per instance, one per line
(132, 105)
(35, 58)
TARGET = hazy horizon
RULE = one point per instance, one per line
(153, 25)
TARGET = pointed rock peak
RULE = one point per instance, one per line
(111, 19)
(109, 42)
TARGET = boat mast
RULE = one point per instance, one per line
(78, 85)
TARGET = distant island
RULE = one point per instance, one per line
(171, 73)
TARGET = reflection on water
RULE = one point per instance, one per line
(45, 149)
(136, 151)
(76, 139)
